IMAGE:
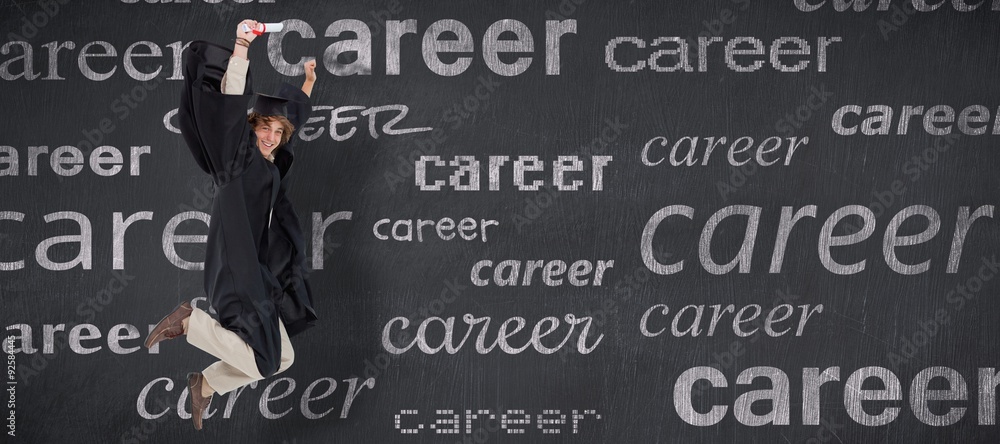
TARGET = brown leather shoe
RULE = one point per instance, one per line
(170, 326)
(198, 403)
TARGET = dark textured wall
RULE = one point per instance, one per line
(927, 334)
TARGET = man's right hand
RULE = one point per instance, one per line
(249, 35)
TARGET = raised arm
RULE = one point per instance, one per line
(307, 86)
(234, 80)
(213, 123)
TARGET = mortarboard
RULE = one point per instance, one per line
(271, 105)
(289, 102)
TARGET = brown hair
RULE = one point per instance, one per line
(257, 119)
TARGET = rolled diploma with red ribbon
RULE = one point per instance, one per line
(265, 27)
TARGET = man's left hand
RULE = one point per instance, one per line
(310, 67)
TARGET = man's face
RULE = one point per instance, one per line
(269, 136)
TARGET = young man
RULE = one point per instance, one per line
(255, 272)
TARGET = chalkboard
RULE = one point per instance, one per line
(526, 221)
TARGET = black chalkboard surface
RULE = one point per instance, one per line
(526, 221)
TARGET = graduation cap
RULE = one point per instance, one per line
(269, 105)
(290, 102)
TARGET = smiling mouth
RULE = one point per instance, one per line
(269, 145)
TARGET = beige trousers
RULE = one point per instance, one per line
(237, 366)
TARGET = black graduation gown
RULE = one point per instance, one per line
(254, 271)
